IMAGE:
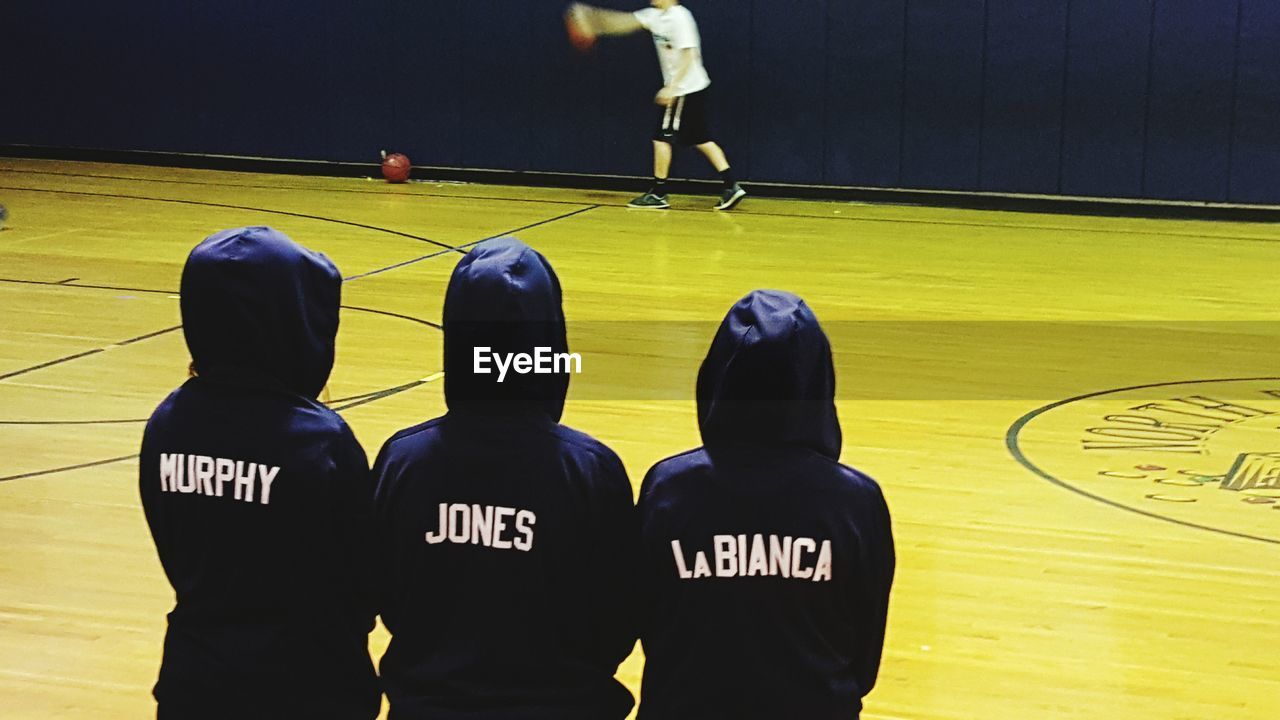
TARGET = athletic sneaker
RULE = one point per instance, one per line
(730, 197)
(649, 201)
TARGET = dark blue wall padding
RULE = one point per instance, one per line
(423, 90)
(258, 88)
(267, 80)
(136, 88)
(27, 95)
(565, 105)
(1162, 99)
(788, 69)
(863, 125)
(499, 84)
(1189, 118)
(345, 98)
(629, 78)
(240, 81)
(1022, 93)
(567, 117)
(1107, 70)
(942, 115)
(1255, 160)
(82, 75)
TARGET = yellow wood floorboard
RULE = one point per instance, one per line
(1037, 578)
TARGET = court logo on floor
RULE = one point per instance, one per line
(1204, 454)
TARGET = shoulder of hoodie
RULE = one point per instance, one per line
(842, 478)
(574, 438)
(579, 439)
(329, 420)
(411, 431)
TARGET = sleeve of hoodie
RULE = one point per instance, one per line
(354, 511)
(615, 554)
(384, 481)
(874, 577)
(647, 569)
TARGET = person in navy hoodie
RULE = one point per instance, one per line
(508, 541)
(767, 563)
(259, 498)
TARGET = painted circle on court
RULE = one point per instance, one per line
(1203, 454)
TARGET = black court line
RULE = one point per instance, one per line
(255, 186)
(447, 248)
(399, 265)
(361, 396)
(388, 313)
(474, 242)
(73, 422)
(335, 405)
(359, 400)
(539, 223)
(156, 333)
(739, 211)
(351, 402)
(49, 363)
(94, 463)
(86, 353)
(1011, 443)
(67, 284)
(148, 336)
(354, 400)
(306, 216)
(67, 468)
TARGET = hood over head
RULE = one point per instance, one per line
(504, 296)
(257, 306)
(768, 378)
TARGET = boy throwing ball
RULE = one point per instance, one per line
(682, 101)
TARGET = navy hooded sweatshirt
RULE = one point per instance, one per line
(767, 563)
(259, 498)
(508, 540)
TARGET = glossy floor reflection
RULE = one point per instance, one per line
(1115, 556)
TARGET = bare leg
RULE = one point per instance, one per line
(661, 159)
(715, 155)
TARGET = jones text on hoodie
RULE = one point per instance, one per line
(493, 526)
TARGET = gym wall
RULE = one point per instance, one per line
(1161, 99)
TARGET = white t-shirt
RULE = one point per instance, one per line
(674, 30)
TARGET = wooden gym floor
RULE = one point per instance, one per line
(1073, 418)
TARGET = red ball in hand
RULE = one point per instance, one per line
(579, 30)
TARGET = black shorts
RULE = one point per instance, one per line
(684, 121)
